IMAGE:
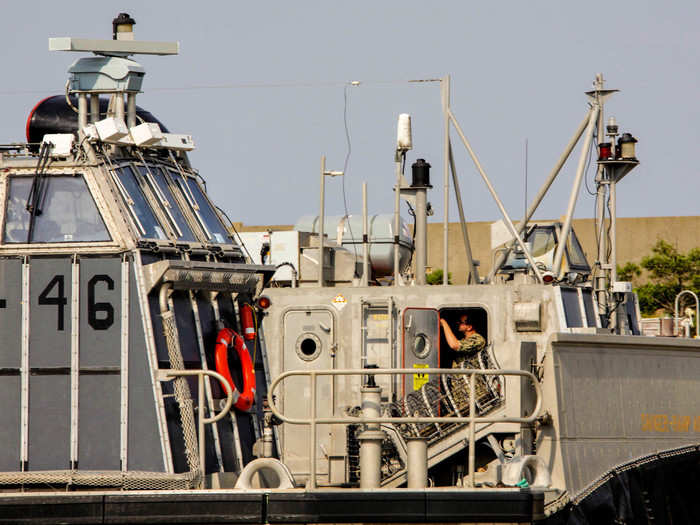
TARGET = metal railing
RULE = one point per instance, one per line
(313, 420)
(676, 313)
(167, 375)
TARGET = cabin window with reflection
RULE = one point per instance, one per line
(161, 188)
(580, 308)
(542, 241)
(141, 211)
(52, 209)
(543, 246)
(211, 220)
(577, 259)
(572, 307)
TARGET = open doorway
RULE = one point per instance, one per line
(478, 319)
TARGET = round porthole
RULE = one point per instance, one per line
(308, 346)
(421, 346)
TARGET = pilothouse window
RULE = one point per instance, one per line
(173, 210)
(209, 216)
(543, 245)
(140, 209)
(66, 212)
(577, 259)
(542, 240)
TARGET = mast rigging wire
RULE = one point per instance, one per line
(345, 168)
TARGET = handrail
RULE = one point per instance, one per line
(313, 420)
(166, 375)
(676, 313)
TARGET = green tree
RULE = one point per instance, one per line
(435, 277)
(628, 272)
(669, 271)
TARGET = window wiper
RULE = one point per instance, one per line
(37, 193)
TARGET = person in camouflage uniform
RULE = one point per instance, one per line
(467, 348)
(469, 345)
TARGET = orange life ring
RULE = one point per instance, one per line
(224, 339)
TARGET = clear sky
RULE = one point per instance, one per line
(261, 86)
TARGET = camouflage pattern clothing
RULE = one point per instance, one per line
(468, 347)
(468, 357)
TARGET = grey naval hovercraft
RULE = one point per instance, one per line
(151, 372)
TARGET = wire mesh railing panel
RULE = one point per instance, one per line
(108, 479)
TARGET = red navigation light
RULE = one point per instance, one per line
(548, 277)
(605, 151)
(263, 302)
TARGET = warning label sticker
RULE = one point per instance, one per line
(420, 379)
(340, 302)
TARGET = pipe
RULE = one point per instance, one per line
(313, 420)
(354, 420)
(417, 477)
(311, 482)
(82, 110)
(119, 106)
(163, 297)
(601, 115)
(268, 440)
(261, 466)
(365, 238)
(397, 225)
(130, 110)
(613, 230)
(294, 272)
(391, 333)
(472, 429)
(602, 255)
(94, 107)
(603, 282)
(421, 245)
(566, 228)
(370, 458)
(201, 419)
(613, 247)
(445, 93)
(509, 223)
(676, 313)
(371, 398)
(200, 427)
(371, 438)
(321, 218)
(544, 189)
(473, 276)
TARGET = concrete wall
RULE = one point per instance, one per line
(635, 238)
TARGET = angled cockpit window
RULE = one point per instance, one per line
(211, 220)
(164, 194)
(543, 242)
(65, 212)
(138, 205)
(577, 259)
(542, 245)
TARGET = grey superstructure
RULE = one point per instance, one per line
(125, 300)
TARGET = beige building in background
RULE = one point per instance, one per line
(635, 238)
